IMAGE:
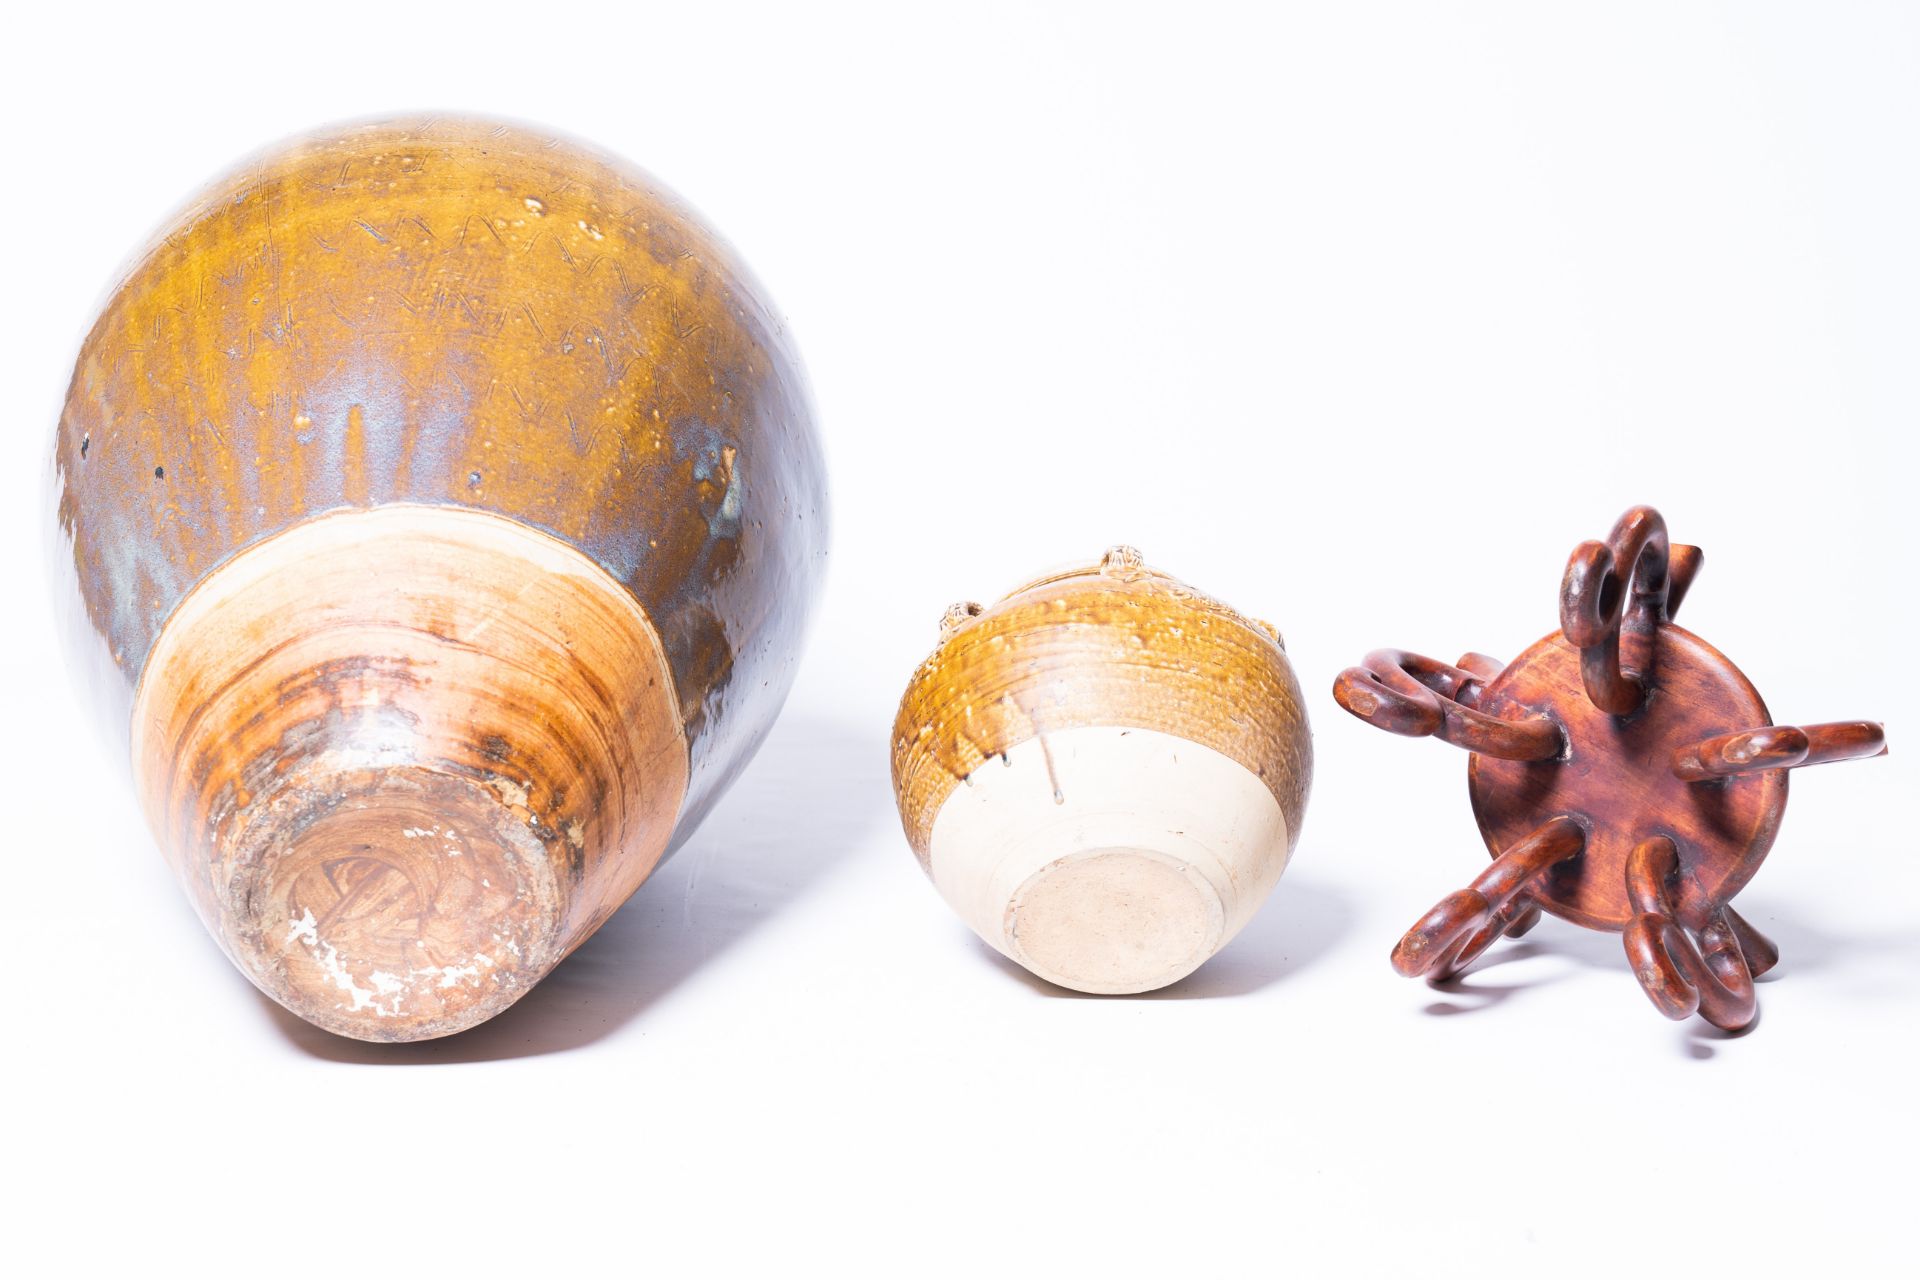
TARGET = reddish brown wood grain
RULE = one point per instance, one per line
(1625, 775)
(1412, 695)
(1616, 779)
(1778, 747)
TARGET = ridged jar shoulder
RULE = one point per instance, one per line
(1118, 645)
(467, 313)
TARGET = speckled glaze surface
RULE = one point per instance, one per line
(444, 502)
(469, 313)
(1116, 643)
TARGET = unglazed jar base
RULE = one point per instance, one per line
(398, 805)
(1107, 859)
(1115, 921)
(388, 894)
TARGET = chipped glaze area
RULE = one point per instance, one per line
(1114, 644)
(465, 313)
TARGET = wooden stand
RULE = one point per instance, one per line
(1625, 775)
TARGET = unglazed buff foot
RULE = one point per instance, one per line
(1104, 773)
(1108, 859)
(397, 809)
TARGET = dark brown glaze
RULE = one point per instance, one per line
(447, 499)
(447, 311)
(1624, 774)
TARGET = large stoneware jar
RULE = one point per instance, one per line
(444, 508)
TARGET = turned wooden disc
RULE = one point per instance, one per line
(1616, 778)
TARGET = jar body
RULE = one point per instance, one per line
(1104, 773)
(541, 464)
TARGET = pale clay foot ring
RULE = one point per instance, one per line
(1115, 921)
(1106, 859)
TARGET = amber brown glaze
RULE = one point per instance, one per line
(496, 325)
(1114, 644)
(459, 312)
(1625, 776)
(397, 809)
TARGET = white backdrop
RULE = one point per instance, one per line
(1357, 316)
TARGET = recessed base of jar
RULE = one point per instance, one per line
(1106, 859)
(1115, 921)
(398, 894)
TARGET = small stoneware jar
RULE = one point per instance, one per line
(1104, 773)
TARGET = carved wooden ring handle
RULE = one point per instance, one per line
(1466, 922)
(1417, 696)
(1603, 583)
(1634, 580)
(1682, 979)
(1712, 978)
(1779, 746)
